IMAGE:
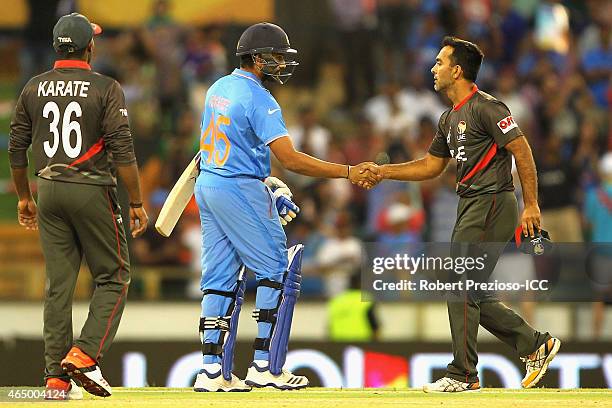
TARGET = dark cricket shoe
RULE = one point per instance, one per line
(447, 384)
(85, 370)
(537, 363)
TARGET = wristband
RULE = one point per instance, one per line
(136, 205)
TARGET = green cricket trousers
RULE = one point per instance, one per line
(487, 218)
(77, 220)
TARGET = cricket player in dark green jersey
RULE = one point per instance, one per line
(480, 134)
(76, 122)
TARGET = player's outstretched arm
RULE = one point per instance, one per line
(138, 215)
(302, 163)
(424, 168)
(531, 218)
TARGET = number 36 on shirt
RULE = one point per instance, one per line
(215, 142)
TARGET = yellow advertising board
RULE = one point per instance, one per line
(130, 13)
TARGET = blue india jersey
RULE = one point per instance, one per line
(240, 119)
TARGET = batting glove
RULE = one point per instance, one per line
(276, 184)
(287, 210)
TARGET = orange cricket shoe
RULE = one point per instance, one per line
(537, 363)
(58, 389)
(85, 370)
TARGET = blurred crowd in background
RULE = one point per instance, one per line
(363, 92)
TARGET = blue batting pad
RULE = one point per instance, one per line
(227, 359)
(279, 342)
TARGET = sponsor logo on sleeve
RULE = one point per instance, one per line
(506, 124)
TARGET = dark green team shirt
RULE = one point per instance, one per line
(77, 124)
(474, 133)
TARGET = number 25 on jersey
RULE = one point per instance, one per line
(215, 142)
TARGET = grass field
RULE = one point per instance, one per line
(336, 398)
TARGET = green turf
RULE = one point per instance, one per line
(8, 94)
(336, 398)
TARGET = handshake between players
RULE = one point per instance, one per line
(365, 175)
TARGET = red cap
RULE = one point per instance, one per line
(96, 28)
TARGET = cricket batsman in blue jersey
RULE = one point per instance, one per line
(241, 211)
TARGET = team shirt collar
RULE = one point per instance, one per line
(246, 74)
(72, 64)
(467, 98)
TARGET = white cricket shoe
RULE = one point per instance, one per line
(213, 382)
(75, 392)
(60, 389)
(262, 377)
(537, 363)
(447, 384)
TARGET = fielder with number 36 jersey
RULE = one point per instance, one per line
(76, 123)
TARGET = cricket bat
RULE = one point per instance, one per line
(178, 198)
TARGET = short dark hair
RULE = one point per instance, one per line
(465, 54)
(246, 61)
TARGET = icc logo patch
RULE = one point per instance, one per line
(461, 128)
